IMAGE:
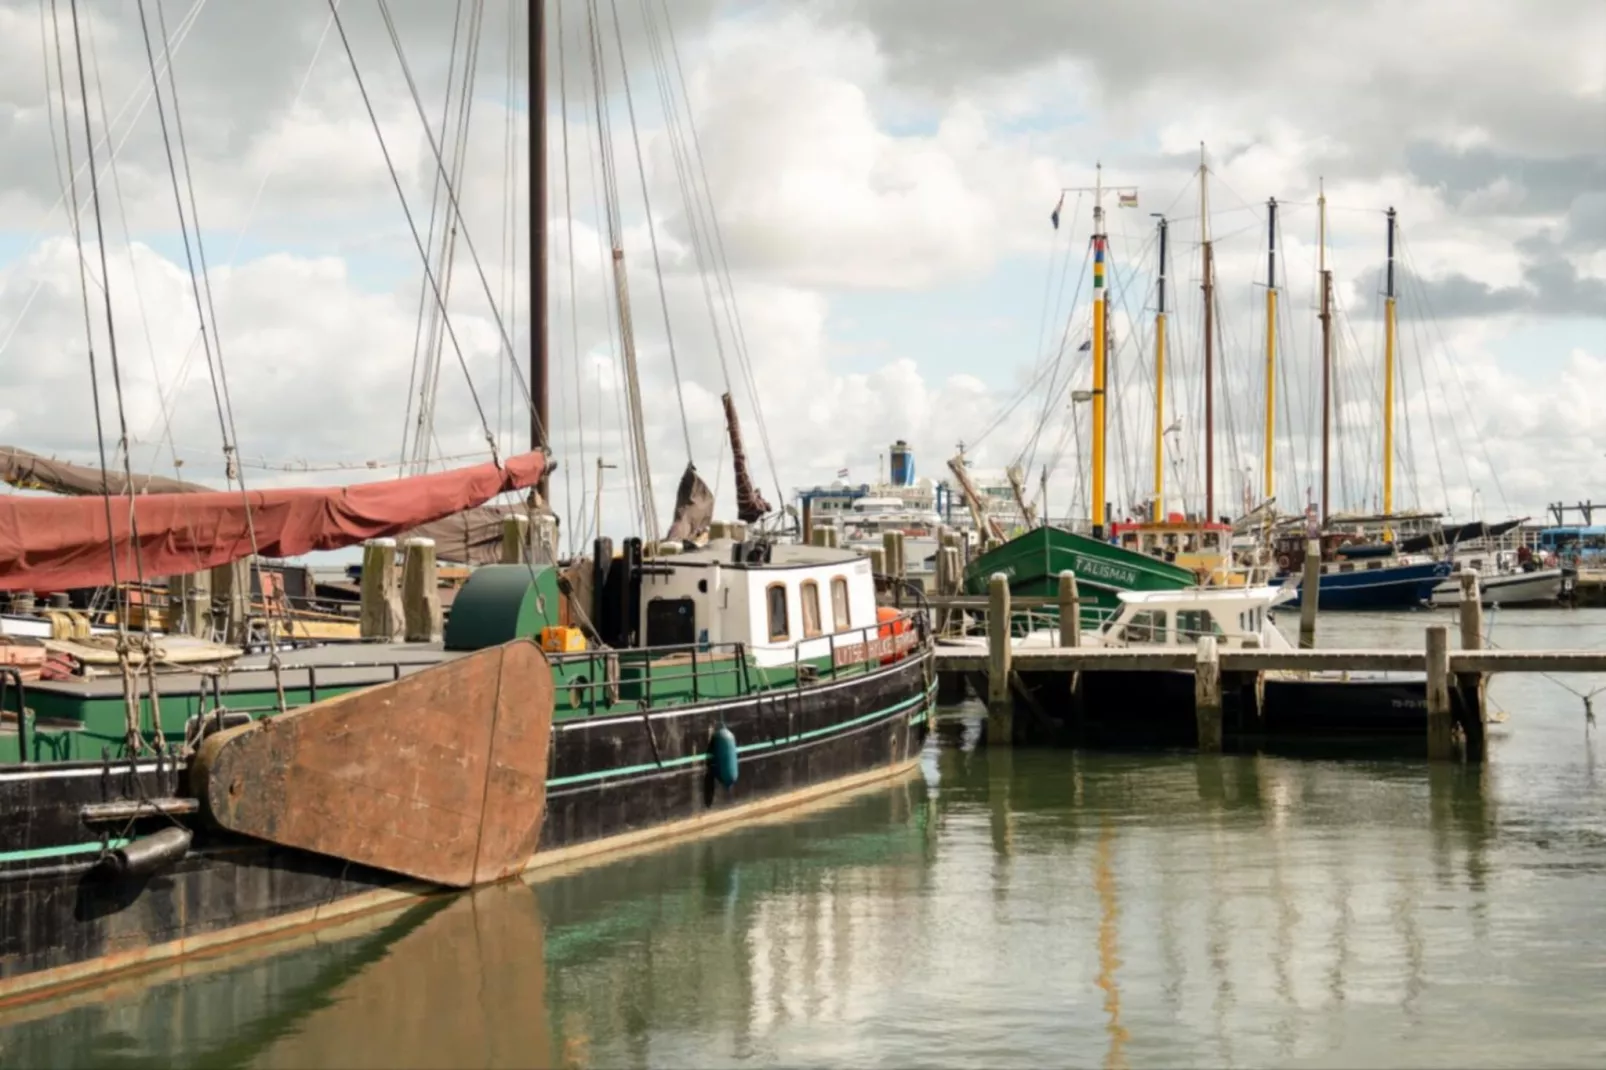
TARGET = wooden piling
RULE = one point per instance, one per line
(231, 587)
(421, 596)
(1000, 707)
(1207, 695)
(892, 547)
(1471, 611)
(381, 609)
(1070, 610)
(515, 539)
(1440, 745)
(189, 604)
(1310, 586)
(878, 562)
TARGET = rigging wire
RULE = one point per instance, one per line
(652, 230)
(723, 277)
(429, 240)
(130, 686)
(457, 217)
(412, 228)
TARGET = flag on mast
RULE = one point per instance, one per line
(1054, 216)
(1129, 200)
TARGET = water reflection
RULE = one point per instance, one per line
(1023, 908)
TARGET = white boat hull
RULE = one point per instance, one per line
(1505, 589)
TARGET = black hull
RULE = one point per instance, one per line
(614, 780)
(1156, 709)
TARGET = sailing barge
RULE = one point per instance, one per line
(152, 814)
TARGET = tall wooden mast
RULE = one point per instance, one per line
(1326, 278)
(1388, 374)
(1271, 348)
(1209, 287)
(536, 100)
(1158, 512)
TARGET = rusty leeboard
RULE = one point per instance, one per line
(440, 775)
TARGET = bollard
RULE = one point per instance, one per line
(1000, 707)
(1310, 586)
(1070, 610)
(1207, 695)
(1440, 745)
(421, 596)
(1471, 611)
(381, 612)
(515, 539)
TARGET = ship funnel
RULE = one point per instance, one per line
(902, 464)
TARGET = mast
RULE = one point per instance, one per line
(1158, 512)
(1271, 345)
(1388, 375)
(536, 92)
(1327, 348)
(1100, 355)
(1209, 289)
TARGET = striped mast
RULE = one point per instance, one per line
(1388, 377)
(1271, 347)
(1157, 513)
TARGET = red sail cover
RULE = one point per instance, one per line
(57, 544)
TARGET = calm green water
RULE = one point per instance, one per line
(998, 909)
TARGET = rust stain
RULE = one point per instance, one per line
(440, 775)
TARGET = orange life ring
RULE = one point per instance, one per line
(1283, 561)
(892, 623)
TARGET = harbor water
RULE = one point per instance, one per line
(996, 908)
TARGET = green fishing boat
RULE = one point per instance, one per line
(1033, 562)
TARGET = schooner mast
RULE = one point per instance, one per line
(536, 99)
(1388, 376)
(1326, 278)
(1209, 288)
(1157, 513)
(1271, 348)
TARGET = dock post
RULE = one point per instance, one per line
(421, 596)
(1469, 686)
(1310, 584)
(515, 539)
(189, 604)
(1000, 707)
(231, 585)
(1440, 745)
(381, 613)
(1471, 611)
(1070, 610)
(1207, 695)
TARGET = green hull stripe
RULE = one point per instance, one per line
(650, 767)
(59, 852)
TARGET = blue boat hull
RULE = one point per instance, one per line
(1394, 587)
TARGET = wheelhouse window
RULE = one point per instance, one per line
(811, 608)
(1145, 627)
(839, 604)
(779, 629)
(1192, 623)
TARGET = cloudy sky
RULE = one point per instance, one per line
(881, 173)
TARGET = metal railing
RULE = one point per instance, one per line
(648, 673)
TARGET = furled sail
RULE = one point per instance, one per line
(750, 504)
(694, 508)
(31, 471)
(53, 544)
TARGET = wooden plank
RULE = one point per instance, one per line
(440, 775)
(1528, 661)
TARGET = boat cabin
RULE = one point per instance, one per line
(1179, 618)
(783, 603)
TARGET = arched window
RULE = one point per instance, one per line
(776, 597)
(811, 608)
(840, 618)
